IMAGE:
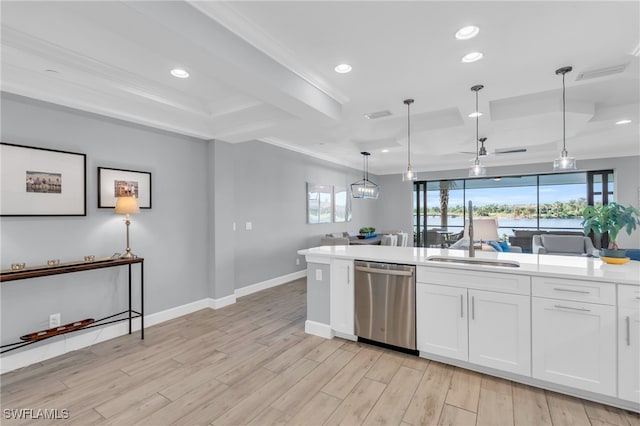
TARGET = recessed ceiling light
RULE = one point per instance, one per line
(468, 32)
(343, 68)
(623, 122)
(475, 114)
(385, 150)
(179, 72)
(472, 57)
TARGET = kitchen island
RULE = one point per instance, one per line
(564, 323)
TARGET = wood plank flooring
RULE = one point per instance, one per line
(252, 364)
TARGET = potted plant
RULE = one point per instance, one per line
(367, 231)
(610, 218)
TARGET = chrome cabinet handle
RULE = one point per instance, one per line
(573, 309)
(461, 306)
(473, 307)
(572, 291)
(628, 320)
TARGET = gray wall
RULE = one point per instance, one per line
(397, 201)
(270, 192)
(170, 236)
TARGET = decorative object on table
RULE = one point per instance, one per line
(114, 183)
(564, 162)
(44, 334)
(89, 258)
(409, 175)
(477, 169)
(364, 188)
(41, 182)
(127, 206)
(53, 262)
(614, 260)
(610, 219)
(367, 232)
(18, 266)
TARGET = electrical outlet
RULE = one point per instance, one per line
(318, 274)
(297, 261)
(248, 226)
(54, 320)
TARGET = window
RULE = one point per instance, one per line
(535, 202)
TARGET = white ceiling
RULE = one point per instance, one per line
(264, 70)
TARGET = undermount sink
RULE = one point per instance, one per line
(474, 261)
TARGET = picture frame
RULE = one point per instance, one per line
(42, 182)
(113, 183)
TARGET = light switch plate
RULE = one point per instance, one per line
(318, 274)
(248, 226)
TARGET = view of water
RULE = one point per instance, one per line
(506, 224)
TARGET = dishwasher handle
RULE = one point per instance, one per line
(384, 271)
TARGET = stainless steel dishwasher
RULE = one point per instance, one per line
(385, 303)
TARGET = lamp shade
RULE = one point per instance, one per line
(126, 205)
(484, 229)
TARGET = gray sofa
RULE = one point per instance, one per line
(524, 238)
(567, 245)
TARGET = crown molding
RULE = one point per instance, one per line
(228, 16)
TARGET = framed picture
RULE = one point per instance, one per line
(319, 203)
(341, 204)
(114, 183)
(42, 182)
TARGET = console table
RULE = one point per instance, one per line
(65, 268)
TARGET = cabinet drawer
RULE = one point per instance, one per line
(629, 296)
(492, 281)
(579, 291)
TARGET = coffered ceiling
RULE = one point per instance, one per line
(265, 70)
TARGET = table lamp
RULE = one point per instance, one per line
(484, 229)
(126, 206)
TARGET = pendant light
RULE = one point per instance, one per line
(409, 175)
(564, 162)
(364, 188)
(477, 169)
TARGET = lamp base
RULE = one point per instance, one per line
(128, 255)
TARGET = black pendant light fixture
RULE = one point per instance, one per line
(564, 162)
(364, 188)
(477, 170)
(409, 175)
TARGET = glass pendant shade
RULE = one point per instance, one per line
(364, 188)
(409, 175)
(564, 162)
(477, 170)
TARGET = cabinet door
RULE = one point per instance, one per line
(441, 320)
(629, 343)
(341, 296)
(499, 331)
(574, 344)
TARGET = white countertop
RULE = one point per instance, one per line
(574, 267)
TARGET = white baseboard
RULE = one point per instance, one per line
(82, 339)
(318, 329)
(70, 342)
(222, 302)
(254, 288)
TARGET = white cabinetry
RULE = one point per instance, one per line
(629, 343)
(463, 320)
(574, 342)
(341, 297)
(441, 320)
(499, 331)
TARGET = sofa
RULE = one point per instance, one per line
(567, 245)
(524, 238)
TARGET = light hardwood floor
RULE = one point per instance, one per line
(251, 363)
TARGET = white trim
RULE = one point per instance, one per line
(222, 302)
(318, 329)
(309, 153)
(310, 258)
(254, 288)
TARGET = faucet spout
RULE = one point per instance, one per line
(472, 249)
